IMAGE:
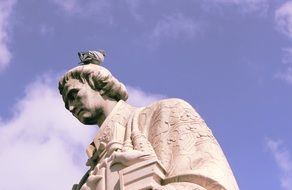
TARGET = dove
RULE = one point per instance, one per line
(91, 57)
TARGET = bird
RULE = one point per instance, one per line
(91, 57)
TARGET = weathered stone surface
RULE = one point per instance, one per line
(166, 145)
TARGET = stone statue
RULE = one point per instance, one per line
(163, 146)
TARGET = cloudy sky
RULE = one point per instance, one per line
(230, 59)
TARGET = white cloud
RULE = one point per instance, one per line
(6, 8)
(283, 18)
(283, 160)
(174, 27)
(139, 98)
(43, 145)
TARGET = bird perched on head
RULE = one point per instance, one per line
(93, 57)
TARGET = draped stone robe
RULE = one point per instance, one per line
(169, 130)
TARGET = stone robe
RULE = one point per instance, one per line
(170, 131)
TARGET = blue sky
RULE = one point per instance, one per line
(230, 59)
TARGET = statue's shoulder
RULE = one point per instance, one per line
(170, 103)
(172, 110)
(168, 114)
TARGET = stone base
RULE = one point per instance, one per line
(143, 175)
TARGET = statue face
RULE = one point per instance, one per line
(86, 104)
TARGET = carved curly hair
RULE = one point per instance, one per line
(98, 78)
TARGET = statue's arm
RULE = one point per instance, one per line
(188, 150)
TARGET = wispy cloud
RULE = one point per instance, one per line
(283, 160)
(285, 75)
(84, 9)
(6, 9)
(175, 26)
(133, 6)
(44, 141)
(283, 18)
(245, 6)
(46, 30)
(70, 6)
(99, 7)
(287, 56)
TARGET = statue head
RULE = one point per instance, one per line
(89, 90)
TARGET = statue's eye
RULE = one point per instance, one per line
(72, 94)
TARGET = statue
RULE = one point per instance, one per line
(163, 146)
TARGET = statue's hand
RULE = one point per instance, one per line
(129, 157)
(92, 180)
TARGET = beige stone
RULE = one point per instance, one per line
(166, 145)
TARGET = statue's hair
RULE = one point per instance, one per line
(98, 78)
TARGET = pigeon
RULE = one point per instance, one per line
(91, 57)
